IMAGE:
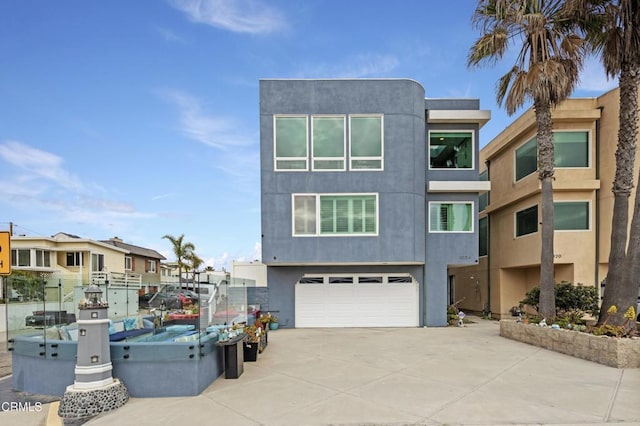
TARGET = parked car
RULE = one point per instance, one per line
(171, 299)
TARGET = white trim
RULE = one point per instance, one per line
(92, 321)
(275, 157)
(344, 145)
(465, 116)
(92, 385)
(515, 221)
(473, 216)
(459, 186)
(473, 149)
(93, 369)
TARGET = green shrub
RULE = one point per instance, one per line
(572, 301)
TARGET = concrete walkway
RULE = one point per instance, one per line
(425, 376)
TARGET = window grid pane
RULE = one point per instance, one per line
(291, 143)
(365, 137)
(304, 215)
(348, 214)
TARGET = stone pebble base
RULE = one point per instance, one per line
(78, 404)
(611, 351)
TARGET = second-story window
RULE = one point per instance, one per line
(43, 258)
(128, 263)
(527, 221)
(451, 150)
(335, 214)
(97, 262)
(152, 266)
(451, 217)
(20, 257)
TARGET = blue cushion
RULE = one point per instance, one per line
(181, 327)
(64, 333)
(130, 324)
(112, 328)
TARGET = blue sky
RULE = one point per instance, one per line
(139, 118)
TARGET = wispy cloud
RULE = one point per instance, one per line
(37, 181)
(38, 163)
(169, 35)
(359, 66)
(218, 132)
(240, 16)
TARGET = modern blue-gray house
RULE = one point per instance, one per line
(369, 193)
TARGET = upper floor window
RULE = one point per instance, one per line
(291, 141)
(97, 262)
(319, 214)
(571, 215)
(526, 159)
(74, 258)
(128, 263)
(451, 217)
(366, 142)
(20, 257)
(483, 236)
(451, 150)
(527, 221)
(328, 140)
(152, 266)
(570, 150)
(43, 258)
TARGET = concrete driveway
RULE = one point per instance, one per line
(453, 376)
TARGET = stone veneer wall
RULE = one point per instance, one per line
(611, 351)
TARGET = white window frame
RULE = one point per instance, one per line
(44, 255)
(473, 217)
(515, 221)
(276, 158)
(95, 264)
(77, 258)
(17, 257)
(344, 145)
(152, 266)
(128, 263)
(317, 213)
(381, 157)
(473, 149)
(588, 212)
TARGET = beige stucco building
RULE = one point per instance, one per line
(585, 135)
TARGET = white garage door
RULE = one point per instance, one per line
(357, 301)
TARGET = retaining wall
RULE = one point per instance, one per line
(611, 351)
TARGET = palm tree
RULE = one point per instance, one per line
(545, 72)
(612, 28)
(182, 250)
(195, 262)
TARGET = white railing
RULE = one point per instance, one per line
(117, 279)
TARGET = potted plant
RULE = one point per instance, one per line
(270, 321)
(252, 342)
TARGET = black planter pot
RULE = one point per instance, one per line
(250, 351)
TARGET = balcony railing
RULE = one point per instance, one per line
(116, 279)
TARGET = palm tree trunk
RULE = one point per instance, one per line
(545, 173)
(625, 294)
(622, 185)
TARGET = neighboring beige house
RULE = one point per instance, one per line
(139, 260)
(585, 133)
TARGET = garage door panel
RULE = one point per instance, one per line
(356, 305)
